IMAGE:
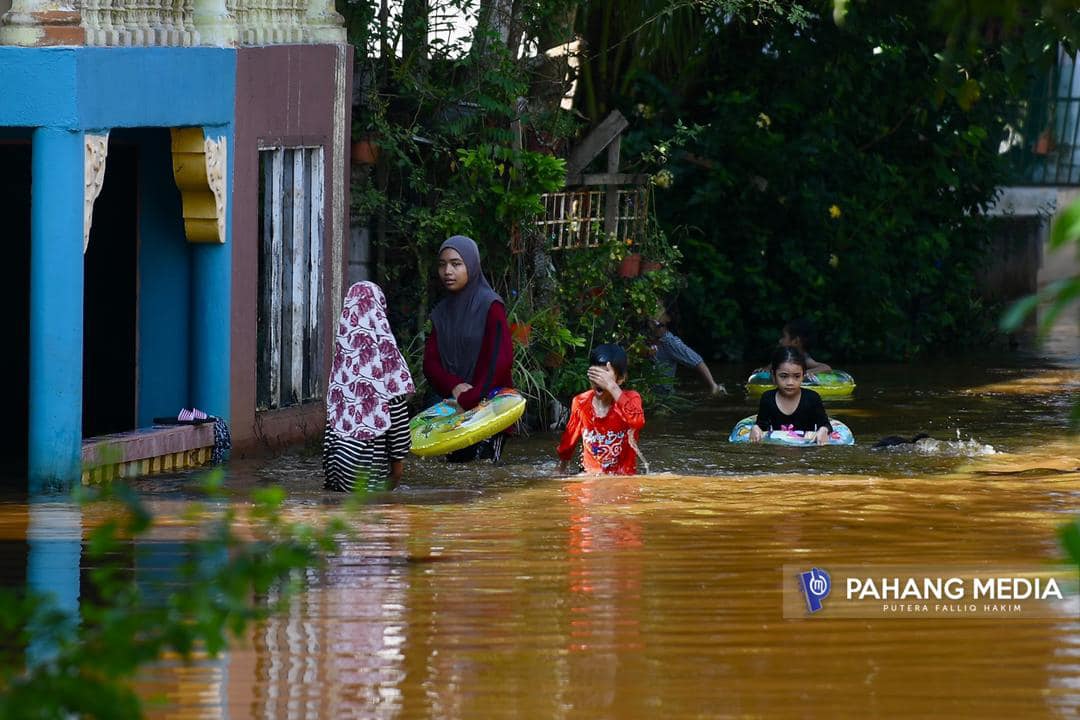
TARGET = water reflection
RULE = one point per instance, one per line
(339, 647)
(54, 536)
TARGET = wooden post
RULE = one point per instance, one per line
(611, 191)
(600, 137)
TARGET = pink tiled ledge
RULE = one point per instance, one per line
(146, 451)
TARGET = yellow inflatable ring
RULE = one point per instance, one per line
(444, 428)
(831, 384)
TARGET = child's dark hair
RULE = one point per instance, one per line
(787, 354)
(803, 330)
(609, 353)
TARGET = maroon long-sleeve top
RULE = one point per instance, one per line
(494, 363)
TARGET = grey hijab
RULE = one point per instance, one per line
(460, 318)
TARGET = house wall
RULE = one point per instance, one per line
(184, 318)
(80, 88)
(285, 96)
(1019, 260)
(61, 94)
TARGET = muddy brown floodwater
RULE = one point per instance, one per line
(490, 592)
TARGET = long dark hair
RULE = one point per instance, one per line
(787, 354)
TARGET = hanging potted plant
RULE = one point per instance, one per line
(626, 257)
(365, 149)
(630, 266)
(1044, 144)
(657, 250)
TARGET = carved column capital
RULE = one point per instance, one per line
(217, 173)
(201, 171)
(96, 148)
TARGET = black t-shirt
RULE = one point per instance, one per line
(809, 415)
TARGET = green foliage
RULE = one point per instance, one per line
(507, 184)
(448, 116)
(841, 174)
(447, 120)
(602, 307)
(541, 346)
(224, 583)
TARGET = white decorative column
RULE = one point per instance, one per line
(42, 22)
(189, 35)
(215, 24)
(323, 24)
(113, 20)
(97, 147)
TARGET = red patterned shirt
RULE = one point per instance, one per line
(605, 443)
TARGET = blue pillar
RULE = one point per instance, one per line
(211, 308)
(56, 310)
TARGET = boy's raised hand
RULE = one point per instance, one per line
(604, 378)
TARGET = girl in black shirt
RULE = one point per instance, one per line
(789, 406)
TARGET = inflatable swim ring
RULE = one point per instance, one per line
(841, 434)
(444, 428)
(835, 383)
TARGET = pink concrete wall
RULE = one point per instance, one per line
(285, 95)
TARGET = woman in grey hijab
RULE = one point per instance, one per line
(468, 354)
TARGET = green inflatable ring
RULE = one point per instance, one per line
(444, 428)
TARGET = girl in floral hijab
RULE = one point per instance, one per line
(367, 423)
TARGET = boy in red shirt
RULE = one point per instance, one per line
(606, 418)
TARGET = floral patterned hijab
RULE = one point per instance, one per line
(368, 369)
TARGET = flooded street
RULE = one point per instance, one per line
(487, 592)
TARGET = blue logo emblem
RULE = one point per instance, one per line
(816, 586)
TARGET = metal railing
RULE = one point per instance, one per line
(1045, 150)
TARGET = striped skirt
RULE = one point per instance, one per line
(349, 463)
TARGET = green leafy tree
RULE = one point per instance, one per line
(842, 176)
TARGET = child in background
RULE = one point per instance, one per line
(605, 418)
(790, 406)
(799, 333)
(669, 350)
